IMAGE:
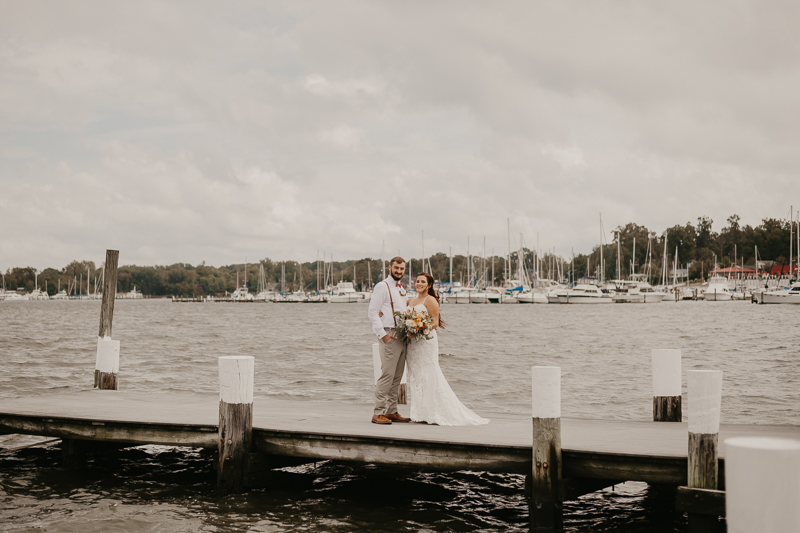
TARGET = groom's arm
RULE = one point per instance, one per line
(379, 295)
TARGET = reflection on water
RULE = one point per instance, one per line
(155, 488)
(323, 353)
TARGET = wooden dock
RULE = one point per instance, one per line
(609, 450)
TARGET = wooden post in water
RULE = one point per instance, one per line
(402, 397)
(235, 421)
(107, 363)
(705, 398)
(545, 506)
(666, 385)
(762, 484)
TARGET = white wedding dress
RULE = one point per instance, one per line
(431, 398)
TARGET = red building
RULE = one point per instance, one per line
(735, 271)
(782, 270)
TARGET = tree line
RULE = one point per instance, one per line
(697, 245)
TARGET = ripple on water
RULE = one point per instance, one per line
(487, 353)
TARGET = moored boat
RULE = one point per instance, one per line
(718, 290)
(789, 295)
(586, 294)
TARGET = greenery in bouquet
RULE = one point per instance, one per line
(414, 324)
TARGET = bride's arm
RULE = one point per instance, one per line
(433, 309)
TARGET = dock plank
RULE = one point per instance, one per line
(606, 449)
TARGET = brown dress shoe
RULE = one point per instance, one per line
(380, 419)
(395, 417)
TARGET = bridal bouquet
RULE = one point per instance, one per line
(414, 324)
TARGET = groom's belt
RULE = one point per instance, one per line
(390, 327)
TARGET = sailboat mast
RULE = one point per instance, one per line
(602, 270)
(423, 251)
(664, 260)
(508, 261)
(675, 267)
(469, 265)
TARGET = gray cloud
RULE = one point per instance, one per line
(190, 132)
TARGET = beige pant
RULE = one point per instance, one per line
(393, 362)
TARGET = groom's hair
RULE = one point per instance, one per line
(398, 260)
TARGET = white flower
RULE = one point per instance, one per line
(410, 323)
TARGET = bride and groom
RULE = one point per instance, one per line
(431, 398)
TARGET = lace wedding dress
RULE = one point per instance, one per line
(431, 398)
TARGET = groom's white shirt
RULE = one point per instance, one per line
(380, 302)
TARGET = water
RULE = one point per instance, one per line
(322, 352)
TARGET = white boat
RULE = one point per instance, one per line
(60, 295)
(586, 294)
(718, 290)
(242, 294)
(37, 294)
(294, 298)
(466, 295)
(532, 297)
(319, 298)
(651, 296)
(131, 295)
(16, 297)
(265, 296)
(509, 298)
(344, 293)
(365, 297)
(494, 295)
(627, 292)
(554, 295)
(634, 291)
(781, 296)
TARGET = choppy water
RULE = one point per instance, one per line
(322, 352)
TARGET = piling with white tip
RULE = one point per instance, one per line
(236, 375)
(705, 399)
(106, 367)
(545, 506)
(762, 483)
(666, 385)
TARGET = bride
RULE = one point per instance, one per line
(432, 400)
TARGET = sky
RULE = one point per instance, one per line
(231, 132)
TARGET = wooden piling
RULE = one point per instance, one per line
(666, 385)
(235, 421)
(402, 396)
(106, 367)
(762, 483)
(545, 504)
(107, 363)
(705, 398)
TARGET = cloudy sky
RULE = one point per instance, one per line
(227, 132)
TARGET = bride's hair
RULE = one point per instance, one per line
(432, 292)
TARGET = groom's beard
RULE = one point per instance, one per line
(396, 277)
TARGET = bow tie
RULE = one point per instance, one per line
(399, 284)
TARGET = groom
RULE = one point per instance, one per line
(388, 296)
